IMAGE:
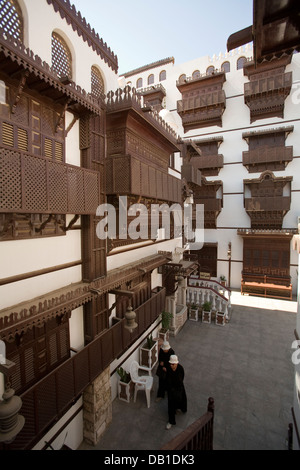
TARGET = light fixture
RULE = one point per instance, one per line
(11, 422)
(130, 316)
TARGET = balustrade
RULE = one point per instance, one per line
(200, 291)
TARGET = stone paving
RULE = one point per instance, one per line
(245, 366)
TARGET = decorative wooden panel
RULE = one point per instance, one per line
(21, 226)
(203, 100)
(267, 89)
(267, 256)
(267, 150)
(265, 200)
(31, 184)
(126, 175)
(37, 352)
(31, 126)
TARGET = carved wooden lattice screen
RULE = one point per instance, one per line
(97, 87)
(61, 57)
(11, 20)
(30, 184)
(269, 257)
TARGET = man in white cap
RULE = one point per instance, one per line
(176, 392)
(164, 355)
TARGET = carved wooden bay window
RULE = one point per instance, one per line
(33, 177)
(211, 195)
(203, 100)
(267, 150)
(267, 89)
(267, 199)
(139, 145)
(153, 96)
(203, 155)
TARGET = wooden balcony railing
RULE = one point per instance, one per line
(268, 155)
(198, 436)
(33, 184)
(127, 175)
(212, 204)
(208, 161)
(275, 203)
(201, 101)
(275, 84)
(51, 397)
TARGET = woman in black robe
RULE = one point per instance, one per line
(176, 392)
(165, 352)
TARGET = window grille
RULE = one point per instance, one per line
(162, 75)
(61, 57)
(11, 20)
(240, 63)
(97, 88)
(210, 70)
(225, 67)
(151, 79)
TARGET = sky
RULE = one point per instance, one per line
(140, 32)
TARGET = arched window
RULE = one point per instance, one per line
(97, 87)
(196, 74)
(139, 83)
(210, 70)
(61, 57)
(225, 67)
(11, 20)
(182, 78)
(151, 79)
(162, 75)
(240, 62)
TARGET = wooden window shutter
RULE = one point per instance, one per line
(22, 139)
(7, 134)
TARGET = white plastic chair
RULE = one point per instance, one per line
(143, 382)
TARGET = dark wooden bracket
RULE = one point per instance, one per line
(21, 86)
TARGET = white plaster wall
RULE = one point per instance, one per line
(39, 40)
(236, 121)
(76, 329)
(24, 256)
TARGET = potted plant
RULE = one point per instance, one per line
(206, 312)
(165, 325)
(193, 312)
(223, 280)
(125, 385)
(149, 353)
